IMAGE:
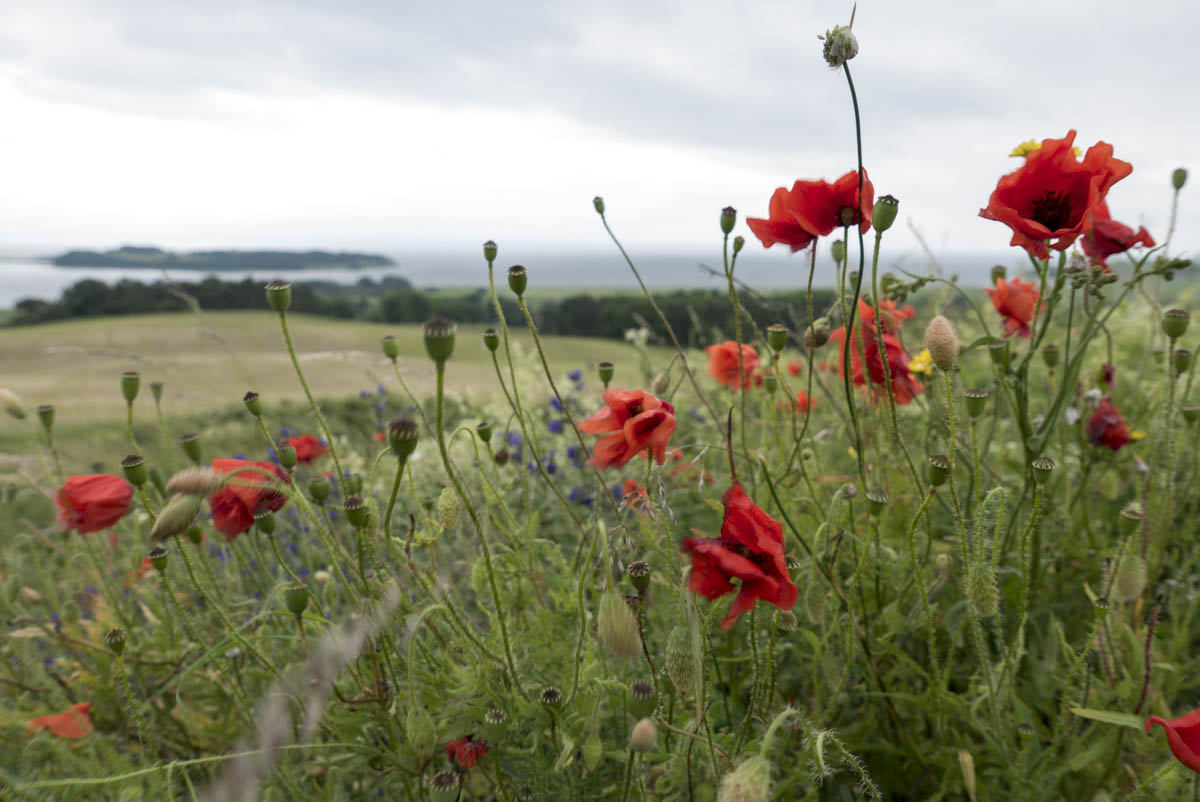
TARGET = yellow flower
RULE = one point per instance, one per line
(1030, 145)
(852, 452)
(1136, 434)
(922, 363)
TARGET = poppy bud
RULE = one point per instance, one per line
(982, 592)
(45, 414)
(134, 468)
(617, 627)
(279, 295)
(195, 535)
(501, 457)
(402, 437)
(1042, 468)
(639, 575)
(681, 660)
(551, 697)
(814, 602)
(518, 278)
(265, 521)
(884, 213)
(1050, 355)
(838, 251)
(158, 558)
(728, 219)
(491, 339)
(739, 242)
(12, 404)
(998, 349)
(439, 338)
(966, 764)
(287, 455)
(191, 446)
(253, 403)
(786, 621)
(354, 484)
(598, 204)
(419, 731)
(176, 516)
(1129, 578)
(770, 382)
(1175, 323)
(1190, 412)
(1183, 358)
(840, 46)
(777, 336)
(484, 429)
(749, 782)
(976, 400)
(1179, 178)
(605, 371)
(642, 700)
(942, 341)
(444, 786)
(130, 381)
(115, 638)
(156, 389)
(448, 508)
(593, 751)
(318, 489)
(391, 348)
(489, 251)
(818, 333)
(1132, 515)
(644, 736)
(295, 596)
(495, 722)
(876, 501)
(939, 469)
(661, 383)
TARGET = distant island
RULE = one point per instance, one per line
(157, 258)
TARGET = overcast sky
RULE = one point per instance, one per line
(389, 124)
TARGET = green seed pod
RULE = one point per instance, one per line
(1183, 358)
(419, 732)
(1179, 178)
(770, 383)
(134, 468)
(1042, 468)
(1129, 578)
(644, 736)
(158, 558)
(639, 575)
(749, 782)
(287, 455)
(402, 437)
(1050, 354)
(598, 204)
(484, 429)
(491, 339)
(279, 296)
(296, 598)
(551, 698)
(265, 521)
(191, 447)
(518, 279)
(1191, 412)
(837, 249)
(318, 489)
(999, 272)
(739, 242)
(439, 333)
(448, 507)
(156, 390)
(390, 346)
(884, 214)
(777, 337)
(1175, 323)
(130, 381)
(495, 724)
(115, 638)
(876, 501)
(605, 371)
(444, 786)
(939, 469)
(174, 518)
(617, 628)
(1001, 356)
(253, 403)
(1131, 517)
(45, 414)
(982, 593)
(356, 511)
(728, 219)
(489, 251)
(681, 660)
(642, 699)
(195, 535)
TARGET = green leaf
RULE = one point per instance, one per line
(1109, 717)
(982, 341)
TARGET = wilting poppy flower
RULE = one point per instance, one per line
(73, 722)
(795, 368)
(466, 752)
(635, 492)
(633, 421)
(92, 502)
(307, 448)
(780, 227)
(1107, 427)
(1108, 374)
(1108, 237)
(804, 402)
(234, 506)
(1183, 736)
(1053, 195)
(904, 385)
(1016, 300)
(750, 549)
(723, 364)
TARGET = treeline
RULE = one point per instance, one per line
(697, 316)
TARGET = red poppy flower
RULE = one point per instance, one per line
(466, 751)
(72, 723)
(1053, 195)
(904, 385)
(1108, 374)
(1183, 736)
(633, 421)
(92, 502)
(723, 364)
(1107, 428)
(233, 507)
(814, 209)
(780, 226)
(145, 568)
(750, 549)
(307, 448)
(795, 368)
(633, 490)
(804, 402)
(1108, 237)
(1016, 300)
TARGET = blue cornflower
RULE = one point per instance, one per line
(579, 385)
(513, 438)
(575, 375)
(554, 403)
(556, 426)
(363, 394)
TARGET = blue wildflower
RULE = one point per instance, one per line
(513, 438)
(363, 394)
(575, 375)
(554, 403)
(556, 426)
(579, 385)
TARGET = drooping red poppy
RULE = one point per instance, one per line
(633, 422)
(905, 386)
(723, 364)
(92, 502)
(307, 448)
(234, 506)
(750, 549)
(780, 226)
(1051, 198)
(1107, 428)
(635, 492)
(1183, 736)
(466, 752)
(73, 723)
(1017, 301)
(1108, 237)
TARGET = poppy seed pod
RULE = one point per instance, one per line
(837, 250)
(402, 437)
(642, 699)
(265, 521)
(777, 337)
(176, 516)
(728, 219)
(1175, 323)
(495, 722)
(115, 638)
(639, 575)
(942, 341)
(739, 242)
(439, 335)
(551, 697)
(295, 596)
(644, 736)
(770, 383)
(1131, 517)
(501, 458)
(1179, 178)
(156, 390)
(356, 511)
(598, 204)
(840, 46)
(12, 404)
(749, 782)
(391, 348)
(195, 535)
(518, 279)
(489, 251)
(158, 558)
(318, 489)
(134, 468)
(444, 786)
(976, 400)
(45, 414)
(287, 455)
(998, 349)
(884, 214)
(491, 339)
(939, 469)
(253, 403)
(617, 627)
(485, 431)
(876, 501)
(1050, 355)
(1183, 358)
(605, 371)
(1042, 468)
(191, 446)
(130, 381)
(681, 660)
(999, 273)
(1191, 412)
(279, 296)
(354, 484)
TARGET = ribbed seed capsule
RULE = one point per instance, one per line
(681, 660)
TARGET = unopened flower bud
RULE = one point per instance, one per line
(939, 469)
(287, 455)
(195, 535)
(1175, 323)
(598, 204)
(982, 591)
(605, 371)
(662, 383)
(777, 337)
(191, 446)
(639, 575)
(130, 382)
(644, 736)
(837, 250)
(390, 346)
(12, 404)
(999, 272)
(279, 296)
(617, 627)
(818, 333)
(134, 468)
(884, 213)
(295, 596)
(739, 242)
(354, 483)
(484, 430)
(1129, 578)
(975, 399)
(45, 414)
(681, 660)
(1179, 178)
(942, 341)
(115, 638)
(448, 507)
(176, 516)
(749, 782)
(265, 521)
(814, 602)
(439, 335)
(491, 339)
(1050, 355)
(501, 457)
(642, 699)
(786, 621)
(518, 279)
(253, 403)
(840, 46)
(402, 437)
(489, 251)
(318, 488)
(728, 219)
(158, 558)
(419, 731)
(1042, 468)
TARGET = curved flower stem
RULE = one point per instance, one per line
(401, 462)
(743, 379)
(858, 448)
(129, 427)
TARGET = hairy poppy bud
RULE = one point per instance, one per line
(876, 501)
(814, 602)
(739, 242)
(419, 731)
(130, 381)
(942, 341)
(156, 390)
(644, 736)
(1179, 178)
(287, 455)
(639, 575)
(593, 751)
(976, 400)
(295, 596)
(448, 507)
(1042, 468)
(598, 204)
(491, 339)
(191, 446)
(770, 382)
(1050, 355)
(1183, 358)
(681, 660)
(444, 786)
(134, 468)
(749, 782)
(840, 45)
(12, 404)
(551, 697)
(642, 699)
(777, 336)
(158, 558)
(318, 488)
(265, 521)
(884, 213)
(661, 383)
(439, 338)
(176, 516)
(253, 403)
(605, 371)
(485, 431)
(818, 333)
(617, 627)
(939, 469)
(390, 346)
(402, 437)
(1175, 323)
(728, 219)
(518, 278)
(838, 251)
(115, 638)
(489, 251)
(45, 414)
(279, 295)
(982, 591)
(998, 348)
(1129, 578)
(786, 621)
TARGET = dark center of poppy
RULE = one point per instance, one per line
(1053, 210)
(760, 559)
(634, 408)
